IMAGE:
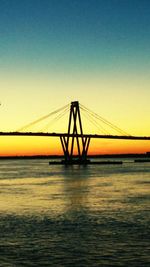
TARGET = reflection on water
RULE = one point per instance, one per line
(75, 216)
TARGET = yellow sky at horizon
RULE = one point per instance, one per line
(119, 100)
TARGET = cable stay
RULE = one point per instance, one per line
(42, 118)
(101, 119)
(94, 122)
(55, 119)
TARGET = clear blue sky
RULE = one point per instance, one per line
(81, 35)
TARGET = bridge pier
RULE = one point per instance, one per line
(75, 135)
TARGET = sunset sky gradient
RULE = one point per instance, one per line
(53, 52)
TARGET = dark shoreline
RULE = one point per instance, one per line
(90, 156)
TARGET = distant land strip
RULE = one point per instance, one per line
(130, 155)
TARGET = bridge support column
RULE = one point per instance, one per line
(75, 137)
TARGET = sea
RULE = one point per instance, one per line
(55, 215)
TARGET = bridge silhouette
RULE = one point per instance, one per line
(75, 135)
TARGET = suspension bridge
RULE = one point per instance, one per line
(75, 136)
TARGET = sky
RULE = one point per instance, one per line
(53, 52)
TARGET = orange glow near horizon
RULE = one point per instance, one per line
(23, 146)
(118, 146)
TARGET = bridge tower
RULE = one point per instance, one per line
(75, 138)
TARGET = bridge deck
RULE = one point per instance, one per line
(125, 137)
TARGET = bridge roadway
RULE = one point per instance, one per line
(124, 137)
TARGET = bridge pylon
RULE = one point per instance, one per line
(75, 138)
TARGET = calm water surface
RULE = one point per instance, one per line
(96, 215)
